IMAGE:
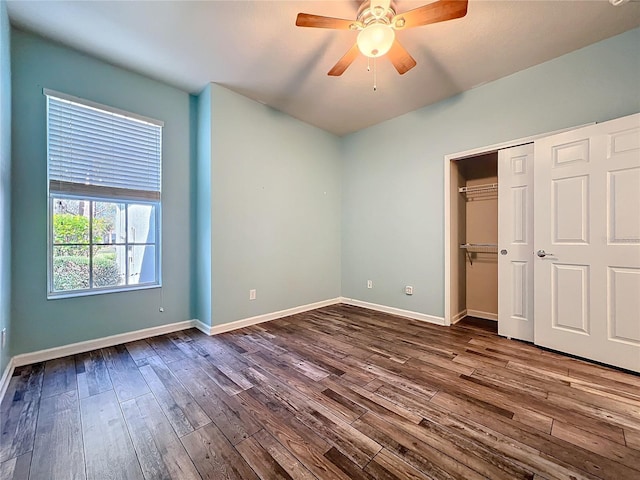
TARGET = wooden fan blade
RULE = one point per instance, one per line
(348, 58)
(400, 58)
(433, 13)
(318, 21)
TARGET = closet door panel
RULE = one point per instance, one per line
(515, 237)
(587, 239)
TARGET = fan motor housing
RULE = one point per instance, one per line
(367, 17)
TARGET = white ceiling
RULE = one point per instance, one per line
(254, 48)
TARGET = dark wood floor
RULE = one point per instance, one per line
(337, 393)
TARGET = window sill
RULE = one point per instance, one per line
(101, 291)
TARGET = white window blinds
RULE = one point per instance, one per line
(98, 151)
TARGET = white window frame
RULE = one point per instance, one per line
(118, 197)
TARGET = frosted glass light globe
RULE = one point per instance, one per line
(376, 40)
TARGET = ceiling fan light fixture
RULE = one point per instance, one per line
(376, 40)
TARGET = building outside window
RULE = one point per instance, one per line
(104, 171)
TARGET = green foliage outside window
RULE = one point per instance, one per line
(71, 262)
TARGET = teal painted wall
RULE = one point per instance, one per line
(275, 209)
(38, 323)
(392, 208)
(5, 181)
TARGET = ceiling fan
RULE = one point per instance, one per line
(377, 22)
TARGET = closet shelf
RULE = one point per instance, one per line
(485, 189)
(478, 248)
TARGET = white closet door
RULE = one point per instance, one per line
(515, 242)
(587, 238)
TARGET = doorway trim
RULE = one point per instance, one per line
(452, 157)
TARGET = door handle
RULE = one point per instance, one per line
(542, 254)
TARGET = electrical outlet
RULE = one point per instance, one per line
(369, 283)
(3, 342)
(408, 290)
(252, 294)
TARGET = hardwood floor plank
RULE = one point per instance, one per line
(557, 449)
(222, 380)
(183, 412)
(386, 466)
(413, 451)
(300, 440)
(632, 438)
(511, 383)
(611, 423)
(442, 437)
(359, 448)
(261, 461)
(214, 457)
(224, 410)
(473, 455)
(309, 369)
(159, 451)
(109, 452)
(539, 361)
(341, 461)
(282, 369)
(16, 468)
(521, 404)
(58, 452)
(485, 429)
(139, 350)
(283, 456)
(279, 421)
(600, 375)
(595, 443)
(125, 377)
(166, 349)
(224, 376)
(59, 376)
(304, 392)
(224, 352)
(356, 411)
(369, 400)
(613, 399)
(264, 343)
(305, 350)
(19, 411)
(92, 374)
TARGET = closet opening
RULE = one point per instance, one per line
(474, 237)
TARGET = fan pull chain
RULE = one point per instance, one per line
(375, 75)
(368, 64)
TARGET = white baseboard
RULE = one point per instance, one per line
(80, 347)
(6, 378)
(423, 317)
(247, 322)
(459, 316)
(203, 327)
(481, 314)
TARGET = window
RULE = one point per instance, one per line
(104, 178)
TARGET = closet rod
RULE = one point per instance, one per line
(478, 248)
(477, 245)
(486, 188)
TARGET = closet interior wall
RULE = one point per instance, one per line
(474, 272)
(458, 229)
